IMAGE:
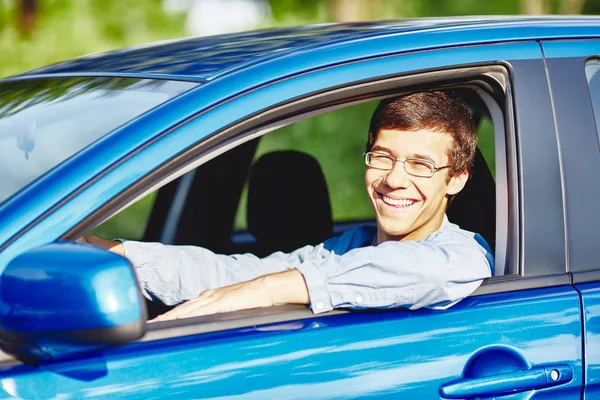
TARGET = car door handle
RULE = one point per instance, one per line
(510, 383)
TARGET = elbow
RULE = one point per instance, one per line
(446, 294)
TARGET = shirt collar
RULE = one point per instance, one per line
(445, 224)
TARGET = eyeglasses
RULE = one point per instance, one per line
(412, 166)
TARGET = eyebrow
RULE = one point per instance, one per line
(381, 148)
(422, 157)
(413, 156)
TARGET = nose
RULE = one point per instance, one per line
(397, 177)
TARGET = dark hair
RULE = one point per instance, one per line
(442, 111)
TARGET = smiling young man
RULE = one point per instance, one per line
(419, 153)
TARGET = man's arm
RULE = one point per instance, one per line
(283, 287)
(173, 274)
(112, 245)
(434, 273)
(419, 274)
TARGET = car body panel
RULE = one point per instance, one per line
(581, 159)
(383, 354)
(578, 140)
(590, 294)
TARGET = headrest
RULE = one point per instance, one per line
(288, 201)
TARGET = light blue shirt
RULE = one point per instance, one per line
(344, 271)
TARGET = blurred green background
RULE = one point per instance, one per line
(34, 33)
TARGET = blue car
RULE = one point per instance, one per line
(228, 139)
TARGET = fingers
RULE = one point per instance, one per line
(82, 239)
(241, 296)
(193, 308)
(111, 245)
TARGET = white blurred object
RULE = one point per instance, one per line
(213, 17)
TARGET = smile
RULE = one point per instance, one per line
(401, 203)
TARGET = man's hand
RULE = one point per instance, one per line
(111, 245)
(265, 291)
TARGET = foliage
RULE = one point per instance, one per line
(20, 95)
(66, 29)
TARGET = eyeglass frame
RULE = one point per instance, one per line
(434, 169)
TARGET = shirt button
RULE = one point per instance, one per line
(320, 306)
(359, 299)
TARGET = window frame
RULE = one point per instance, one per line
(317, 103)
(579, 139)
(334, 98)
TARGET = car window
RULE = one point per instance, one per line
(337, 141)
(43, 122)
(210, 207)
(299, 184)
(592, 69)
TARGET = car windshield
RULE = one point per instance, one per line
(43, 122)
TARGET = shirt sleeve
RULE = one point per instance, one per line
(173, 274)
(434, 274)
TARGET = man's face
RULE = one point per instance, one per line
(409, 207)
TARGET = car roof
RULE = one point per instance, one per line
(205, 58)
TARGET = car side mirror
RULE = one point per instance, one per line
(66, 299)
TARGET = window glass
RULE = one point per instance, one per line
(592, 67)
(341, 159)
(337, 141)
(45, 121)
(214, 213)
(485, 142)
(129, 223)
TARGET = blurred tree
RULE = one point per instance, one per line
(349, 10)
(571, 7)
(296, 12)
(27, 17)
(536, 7)
(65, 29)
(591, 7)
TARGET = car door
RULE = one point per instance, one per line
(518, 336)
(573, 72)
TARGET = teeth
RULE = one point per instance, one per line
(398, 202)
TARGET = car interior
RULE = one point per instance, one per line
(305, 217)
(285, 199)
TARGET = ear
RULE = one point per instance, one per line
(457, 183)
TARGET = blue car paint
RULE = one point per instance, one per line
(508, 383)
(394, 354)
(67, 299)
(36, 200)
(571, 48)
(41, 281)
(590, 295)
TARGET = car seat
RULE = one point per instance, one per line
(288, 202)
(474, 208)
